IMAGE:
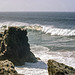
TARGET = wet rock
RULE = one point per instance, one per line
(1, 34)
(38, 58)
(17, 48)
(55, 68)
(2, 46)
(1, 37)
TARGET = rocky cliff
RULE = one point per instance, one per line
(15, 46)
(55, 68)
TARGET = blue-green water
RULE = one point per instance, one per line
(51, 36)
(57, 19)
(58, 28)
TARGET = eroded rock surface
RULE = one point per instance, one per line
(55, 68)
(7, 68)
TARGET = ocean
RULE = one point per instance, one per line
(51, 36)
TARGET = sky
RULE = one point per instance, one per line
(38, 5)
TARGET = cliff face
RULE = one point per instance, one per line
(15, 46)
(55, 68)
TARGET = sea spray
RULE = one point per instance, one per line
(40, 68)
(48, 29)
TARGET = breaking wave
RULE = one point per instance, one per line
(40, 68)
(48, 29)
(58, 31)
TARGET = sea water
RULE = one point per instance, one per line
(51, 36)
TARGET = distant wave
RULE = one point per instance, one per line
(44, 28)
(58, 31)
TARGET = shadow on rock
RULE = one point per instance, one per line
(15, 46)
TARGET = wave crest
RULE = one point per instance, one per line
(58, 31)
(44, 28)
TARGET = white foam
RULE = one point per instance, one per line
(31, 71)
(44, 28)
(66, 57)
(40, 68)
(58, 31)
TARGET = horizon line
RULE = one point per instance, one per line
(37, 11)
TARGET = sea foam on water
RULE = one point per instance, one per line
(40, 68)
(44, 28)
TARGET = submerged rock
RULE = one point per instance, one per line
(17, 48)
(55, 68)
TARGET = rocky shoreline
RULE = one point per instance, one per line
(14, 46)
(7, 67)
(15, 50)
(55, 68)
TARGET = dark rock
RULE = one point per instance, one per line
(38, 58)
(2, 46)
(55, 68)
(0, 41)
(1, 34)
(17, 48)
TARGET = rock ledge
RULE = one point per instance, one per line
(55, 68)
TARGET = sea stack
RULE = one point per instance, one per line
(15, 46)
(55, 68)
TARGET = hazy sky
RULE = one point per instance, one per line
(37, 5)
